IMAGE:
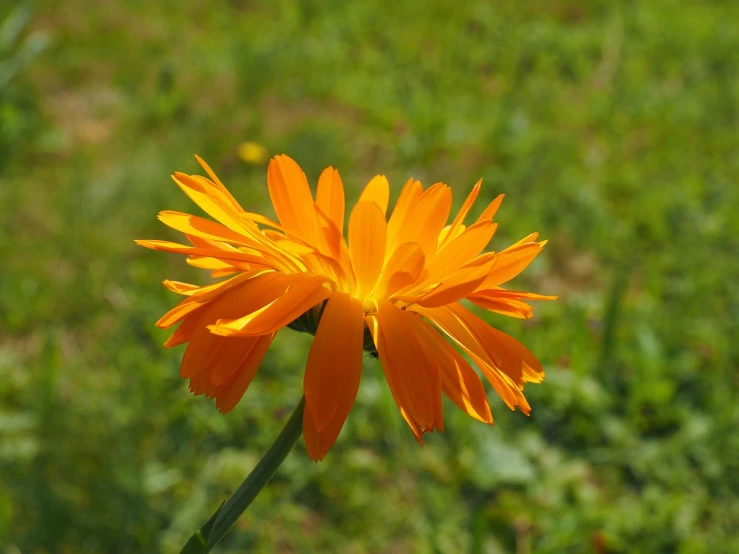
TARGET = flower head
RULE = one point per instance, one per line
(393, 288)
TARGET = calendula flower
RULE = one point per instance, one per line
(394, 289)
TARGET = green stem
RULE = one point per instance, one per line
(220, 522)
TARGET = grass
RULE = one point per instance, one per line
(611, 127)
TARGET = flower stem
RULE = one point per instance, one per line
(221, 521)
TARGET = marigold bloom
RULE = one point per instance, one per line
(394, 289)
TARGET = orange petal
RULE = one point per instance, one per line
(408, 198)
(512, 261)
(204, 228)
(459, 284)
(186, 289)
(449, 321)
(209, 263)
(507, 302)
(461, 250)
(515, 294)
(204, 295)
(445, 235)
(218, 273)
(184, 333)
(241, 367)
(377, 191)
(458, 380)
(492, 209)
(338, 249)
(213, 201)
(367, 236)
(232, 348)
(327, 266)
(528, 238)
(318, 443)
(217, 182)
(511, 308)
(240, 299)
(514, 355)
(223, 253)
(331, 233)
(402, 269)
(292, 198)
(330, 196)
(219, 356)
(294, 247)
(427, 218)
(307, 291)
(509, 355)
(231, 392)
(413, 376)
(199, 352)
(335, 361)
(463, 211)
(199, 384)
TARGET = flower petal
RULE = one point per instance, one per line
(463, 211)
(185, 289)
(217, 182)
(377, 191)
(219, 357)
(334, 239)
(427, 218)
(231, 348)
(367, 236)
(209, 263)
(335, 361)
(223, 253)
(412, 375)
(292, 198)
(458, 380)
(205, 295)
(459, 284)
(515, 294)
(402, 269)
(242, 298)
(204, 228)
(492, 208)
(231, 392)
(330, 196)
(450, 321)
(511, 308)
(331, 234)
(408, 197)
(213, 201)
(507, 302)
(512, 261)
(306, 292)
(461, 250)
(318, 443)
(506, 353)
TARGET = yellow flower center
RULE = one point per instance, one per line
(369, 305)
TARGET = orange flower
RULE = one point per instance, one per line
(389, 290)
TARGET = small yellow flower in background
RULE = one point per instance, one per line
(252, 153)
(393, 289)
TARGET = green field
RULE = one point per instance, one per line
(612, 128)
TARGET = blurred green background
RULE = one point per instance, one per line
(613, 129)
